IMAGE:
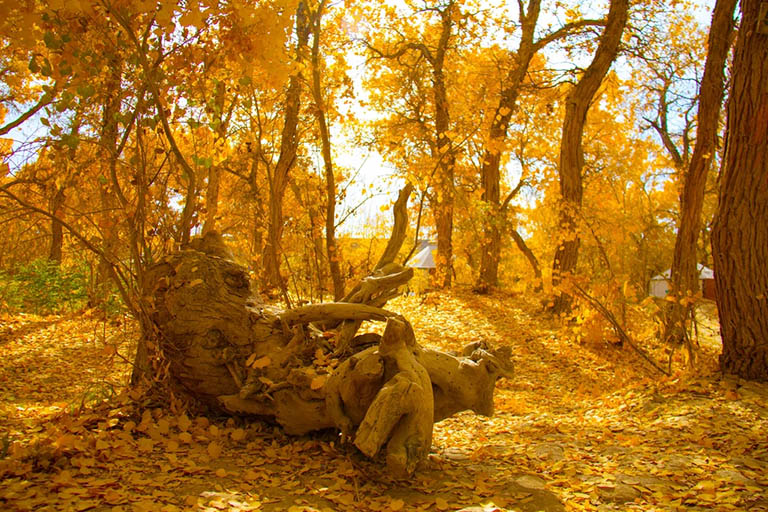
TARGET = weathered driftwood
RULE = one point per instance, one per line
(308, 368)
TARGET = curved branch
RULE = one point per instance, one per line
(400, 212)
(45, 99)
(333, 311)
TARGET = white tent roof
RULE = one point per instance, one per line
(423, 258)
(704, 273)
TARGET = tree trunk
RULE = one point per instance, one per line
(572, 152)
(444, 201)
(490, 176)
(57, 230)
(528, 253)
(289, 144)
(740, 237)
(684, 278)
(333, 252)
(212, 199)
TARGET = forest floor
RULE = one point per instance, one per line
(579, 427)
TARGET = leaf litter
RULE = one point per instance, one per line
(579, 427)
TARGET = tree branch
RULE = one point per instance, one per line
(45, 99)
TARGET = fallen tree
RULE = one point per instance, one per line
(308, 368)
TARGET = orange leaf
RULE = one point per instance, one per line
(262, 362)
(146, 444)
(318, 382)
(214, 450)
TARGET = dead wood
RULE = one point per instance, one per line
(307, 368)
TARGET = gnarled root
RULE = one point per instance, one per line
(401, 415)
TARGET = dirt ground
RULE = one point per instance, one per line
(580, 427)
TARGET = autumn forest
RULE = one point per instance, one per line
(413, 255)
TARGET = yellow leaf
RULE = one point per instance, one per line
(146, 444)
(395, 505)
(261, 362)
(185, 437)
(238, 434)
(214, 450)
(441, 504)
(184, 423)
(195, 282)
(318, 382)
(221, 473)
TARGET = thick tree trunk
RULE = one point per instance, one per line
(684, 279)
(571, 150)
(444, 183)
(740, 236)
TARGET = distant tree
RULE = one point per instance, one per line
(740, 234)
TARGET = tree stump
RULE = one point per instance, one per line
(307, 368)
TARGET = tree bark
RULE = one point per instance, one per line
(684, 278)
(490, 175)
(333, 253)
(289, 144)
(212, 199)
(528, 253)
(57, 230)
(740, 237)
(444, 193)
(572, 152)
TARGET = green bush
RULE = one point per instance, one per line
(43, 287)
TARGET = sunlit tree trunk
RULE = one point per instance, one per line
(332, 248)
(740, 234)
(444, 189)
(490, 175)
(684, 279)
(212, 199)
(289, 142)
(572, 152)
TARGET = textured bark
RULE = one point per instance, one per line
(740, 237)
(444, 193)
(333, 253)
(571, 149)
(684, 278)
(212, 199)
(289, 143)
(490, 175)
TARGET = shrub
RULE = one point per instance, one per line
(43, 287)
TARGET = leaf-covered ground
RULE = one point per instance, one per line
(580, 427)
